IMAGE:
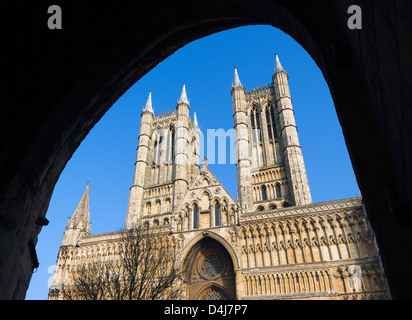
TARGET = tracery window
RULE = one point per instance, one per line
(214, 294)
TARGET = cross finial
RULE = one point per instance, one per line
(205, 161)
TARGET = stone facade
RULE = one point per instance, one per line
(272, 243)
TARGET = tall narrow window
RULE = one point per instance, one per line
(278, 193)
(155, 147)
(257, 119)
(273, 119)
(168, 147)
(159, 149)
(256, 136)
(264, 194)
(217, 214)
(269, 125)
(271, 122)
(252, 121)
(195, 217)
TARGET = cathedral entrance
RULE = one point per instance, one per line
(209, 272)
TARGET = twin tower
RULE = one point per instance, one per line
(270, 168)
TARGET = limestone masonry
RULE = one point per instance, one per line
(270, 243)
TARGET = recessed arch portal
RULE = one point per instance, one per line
(209, 272)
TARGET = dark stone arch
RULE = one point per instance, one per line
(60, 83)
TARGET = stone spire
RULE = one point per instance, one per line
(183, 96)
(79, 224)
(236, 82)
(148, 106)
(278, 67)
(82, 211)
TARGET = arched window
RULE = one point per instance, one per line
(157, 146)
(278, 193)
(168, 205)
(260, 208)
(264, 194)
(217, 214)
(195, 217)
(148, 208)
(286, 204)
(158, 206)
(170, 145)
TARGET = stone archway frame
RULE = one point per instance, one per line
(205, 235)
(212, 235)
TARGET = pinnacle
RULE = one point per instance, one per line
(278, 67)
(195, 124)
(148, 106)
(236, 82)
(183, 96)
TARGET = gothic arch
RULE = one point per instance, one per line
(208, 265)
(216, 237)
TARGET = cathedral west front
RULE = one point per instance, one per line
(271, 242)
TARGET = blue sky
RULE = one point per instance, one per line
(106, 157)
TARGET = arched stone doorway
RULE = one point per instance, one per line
(208, 272)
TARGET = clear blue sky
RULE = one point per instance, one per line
(106, 157)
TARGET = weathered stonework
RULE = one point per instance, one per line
(272, 243)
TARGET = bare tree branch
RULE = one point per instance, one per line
(144, 269)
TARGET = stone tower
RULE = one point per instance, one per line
(270, 165)
(143, 152)
(167, 160)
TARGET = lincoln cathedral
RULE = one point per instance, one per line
(271, 242)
